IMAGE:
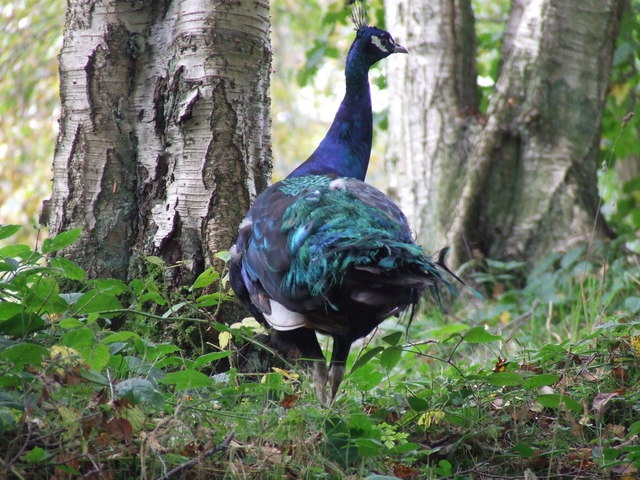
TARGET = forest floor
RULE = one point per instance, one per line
(541, 379)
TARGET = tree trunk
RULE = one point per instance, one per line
(164, 133)
(519, 181)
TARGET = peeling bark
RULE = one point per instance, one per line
(164, 132)
(521, 181)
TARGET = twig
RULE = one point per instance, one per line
(207, 453)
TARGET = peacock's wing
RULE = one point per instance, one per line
(328, 248)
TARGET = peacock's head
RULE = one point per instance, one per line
(372, 45)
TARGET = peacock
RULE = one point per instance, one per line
(323, 251)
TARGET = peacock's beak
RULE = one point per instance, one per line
(399, 49)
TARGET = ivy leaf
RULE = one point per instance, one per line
(60, 241)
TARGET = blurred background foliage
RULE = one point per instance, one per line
(310, 40)
(30, 39)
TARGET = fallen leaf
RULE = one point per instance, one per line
(405, 472)
(289, 401)
(601, 400)
(119, 428)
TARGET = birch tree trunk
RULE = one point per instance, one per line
(164, 132)
(519, 181)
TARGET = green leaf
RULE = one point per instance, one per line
(390, 358)
(95, 377)
(95, 302)
(555, 400)
(7, 419)
(152, 259)
(70, 269)
(206, 278)
(366, 377)
(9, 309)
(139, 390)
(404, 448)
(43, 297)
(480, 335)
(366, 357)
(36, 455)
(96, 355)
(223, 255)
(541, 380)
(524, 450)
(63, 239)
(70, 323)
(110, 286)
(634, 428)
(16, 251)
(210, 357)
(123, 336)
(504, 379)
(8, 230)
(187, 379)
(210, 300)
(419, 404)
(24, 354)
(393, 339)
(21, 324)
(632, 304)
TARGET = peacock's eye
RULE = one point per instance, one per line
(381, 42)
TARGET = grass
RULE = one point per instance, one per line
(540, 379)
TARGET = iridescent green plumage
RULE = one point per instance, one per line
(324, 251)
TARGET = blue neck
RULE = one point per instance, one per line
(346, 148)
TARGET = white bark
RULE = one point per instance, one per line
(527, 183)
(165, 133)
(433, 90)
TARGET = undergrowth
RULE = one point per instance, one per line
(540, 379)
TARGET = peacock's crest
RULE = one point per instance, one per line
(358, 13)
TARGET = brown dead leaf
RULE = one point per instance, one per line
(530, 367)
(405, 472)
(590, 376)
(370, 409)
(581, 457)
(619, 373)
(119, 428)
(601, 401)
(393, 417)
(501, 365)
(89, 423)
(625, 472)
(289, 401)
(614, 431)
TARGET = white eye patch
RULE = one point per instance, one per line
(376, 41)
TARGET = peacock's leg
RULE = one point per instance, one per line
(341, 347)
(305, 340)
